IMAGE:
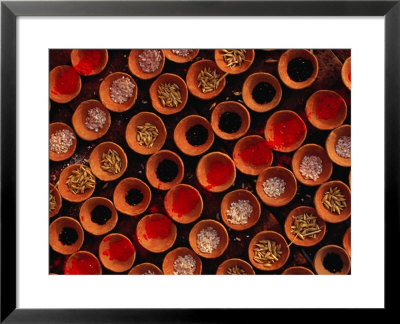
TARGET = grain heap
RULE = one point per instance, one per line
(207, 240)
(239, 212)
(185, 265)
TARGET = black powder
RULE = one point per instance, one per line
(197, 135)
(263, 93)
(100, 215)
(134, 197)
(68, 236)
(300, 69)
(229, 122)
(167, 170)
(333, 262)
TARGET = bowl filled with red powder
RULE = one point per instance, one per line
(89, 61)
(82, 263)
(183, 203)
(182, 261)
(234, 61)
(326, 109)
(332, 260)
(346, 73)
(338, 145)
(62, 141)
(145, 269)
(65, 84)
(235, 266)
(66, 235)
(55, 200)
(146, 64)
(180, 55)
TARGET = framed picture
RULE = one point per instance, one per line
(102, 65)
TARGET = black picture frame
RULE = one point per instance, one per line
(11, 10)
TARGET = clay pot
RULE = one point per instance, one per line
(350, 178)
(224, 266)
(330, 145)
(156, 102)
(104, 93)
(79, 119)
(180, 135)
(65, 192)
(312, 150)
(347, 241)
(77, 55)
(233, 107)
(53, 190)
(169, 259)
(57, 226)
(248, 61)
(54, 94)
(297, 271)
(234, 196)
(180, 59)
(82, 263)
(323, 252)
(290, 188)
(144, 268)
(57, 157)
(121, 191)
(249, 85)
(136, 70)
(346, 72)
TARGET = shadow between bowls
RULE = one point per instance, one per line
(330, 145)
(180, 59)
(248, 61)
(334, 249)
(144, 268)
(54, 191)
(57, 226)
(346, 73)
(82, 263)
(224, 266)
(169, 259)
(54, 76)
(297, 271)
(136, 70)
(57, 157)
(78, 54)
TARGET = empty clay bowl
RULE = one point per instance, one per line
(162, 233)
(89, 62)
(235, 196)
(183, 203)
(155, 100)
(169, 259)
(248, 61)
(326, 250)
(79, 119)
(308, 241)
(116, 252)
(272, 236)
(241, 264)
(221, 232)
(292, 129)
(346, 73)
(290, 188)
(230, 107)
(54, 191)
(136, 70)
(297, 271)
(209, 175)
(153, 163)
(104, 92)
(57, 227)
(145, 269)
(312, 150)
(97, 156)
(288, 56)
(324, 213)
(249, 85)
(326, 109)
(193, 84)
(53, 156)
(131, 133)
(66, 72)
(121, 191)
(82, 263)
(178, 58)
(347, 241)
(180, 138)
(330, 145)
(65, 192)
(249, 153)
(86, 217)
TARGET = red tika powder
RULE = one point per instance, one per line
(91, 59)
(256, 154)
(158, 228)
(66, 82)
(218, 174)
(185, 201)
(120, 250)
(328, 107)
(83, 266)
(287, 133)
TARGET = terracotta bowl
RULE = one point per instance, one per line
(57, 226)
(284, 60)
(121, 191)
(248, 61)
(290, 188)
(346, 72)
(86, 217)
(297, 271)
(57, 157)
(246, 167)
(180, 59)
(97, 156)
(350, 178)
(79, 119)
(143, 268)
(158, 244)
(137, 71)
(312, 150)
(168, 78)
(250, 83)
(53, 190)
(230, 106)
(307, 241)
(53, 77)
(204, 165)
(323, 252)
(272, 236)
(222, 233)
(77, 55)
(224, 266)
(330, 145)
(234, 196)
(183, 218)
(347, 241)
(151, 168)
(324, 213)
(283, 116)
(180, 135)
(192, 83)
(82, 263)
(104, 93)
(169, 259)
(316, 99)
(139, 120)
(113, 263)
(64, 189)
